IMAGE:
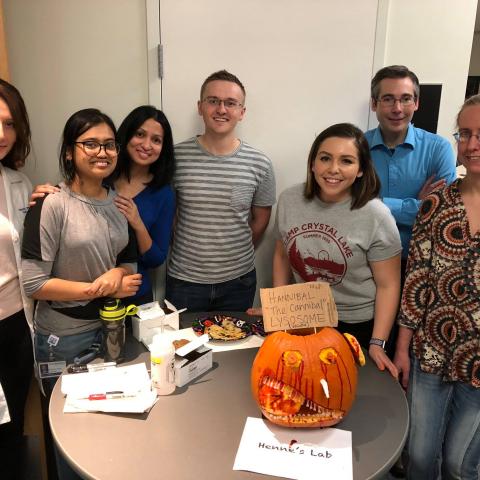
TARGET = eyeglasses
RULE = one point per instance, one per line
(228, 103)
(390, 100)
(93, 148)
(464, 137)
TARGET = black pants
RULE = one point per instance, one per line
(361, 331)
(16, 365)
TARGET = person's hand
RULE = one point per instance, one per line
(130, 285)
(40, 191)
(106, 284)
(255, 312)
(429, 186)
(402, 362)
(378, 355)
(128, 207)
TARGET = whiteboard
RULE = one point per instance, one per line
(305, 65)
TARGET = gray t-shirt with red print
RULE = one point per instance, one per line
(329, 242)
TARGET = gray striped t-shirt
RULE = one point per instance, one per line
(213, 240)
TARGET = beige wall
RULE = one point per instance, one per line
(4, 70)
(475, 59)
(70, 54)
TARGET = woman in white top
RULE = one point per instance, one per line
(15, 308)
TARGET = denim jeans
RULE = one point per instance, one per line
(444, 424)
(234, 295)
(67, 348)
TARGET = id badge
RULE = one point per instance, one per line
(51, 369)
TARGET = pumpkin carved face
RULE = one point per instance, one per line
(306, 381)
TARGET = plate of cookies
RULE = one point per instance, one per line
(222, 328)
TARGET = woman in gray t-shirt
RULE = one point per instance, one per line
(333, 229)
(76, 247)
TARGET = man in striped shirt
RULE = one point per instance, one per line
(225, 191)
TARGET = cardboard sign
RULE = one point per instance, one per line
(303, 305)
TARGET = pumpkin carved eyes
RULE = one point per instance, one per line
(328, 356)
(292, 359)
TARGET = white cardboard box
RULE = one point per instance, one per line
(190, 366)
(192, 359)
(144, 330)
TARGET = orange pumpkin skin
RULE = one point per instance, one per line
(286, 374)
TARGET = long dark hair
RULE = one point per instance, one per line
(164, 167)
(21, 148)
(77, 125)
(366, 187)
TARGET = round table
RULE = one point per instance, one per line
(195, 432)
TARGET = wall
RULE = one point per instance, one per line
(475, 59)
(435, 41)
(69, 54)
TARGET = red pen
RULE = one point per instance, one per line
(107, 395)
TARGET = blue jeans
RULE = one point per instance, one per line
(444, 424)
(67, 348)
(234, 295)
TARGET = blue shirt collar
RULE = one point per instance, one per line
(377, 139)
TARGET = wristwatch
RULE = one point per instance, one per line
(377, 341)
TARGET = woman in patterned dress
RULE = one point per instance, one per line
(438, 348)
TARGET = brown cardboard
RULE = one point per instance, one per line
(303, 305)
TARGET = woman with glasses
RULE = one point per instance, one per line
(16, 310)
(142, 181)
(438, 347)
(77, 248)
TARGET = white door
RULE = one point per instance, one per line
(305, 64)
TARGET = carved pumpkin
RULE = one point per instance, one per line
(306, 381)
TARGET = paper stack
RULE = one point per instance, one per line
(114, 389)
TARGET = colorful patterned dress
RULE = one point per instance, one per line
(441, 297)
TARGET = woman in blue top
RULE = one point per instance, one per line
(142, 180)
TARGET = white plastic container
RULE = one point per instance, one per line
(162, 355)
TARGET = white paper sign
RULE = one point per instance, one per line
(300, 454)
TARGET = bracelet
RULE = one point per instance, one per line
(377, 341)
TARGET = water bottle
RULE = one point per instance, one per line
(112, 316)
(162, 355)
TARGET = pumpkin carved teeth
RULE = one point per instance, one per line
(281, 401)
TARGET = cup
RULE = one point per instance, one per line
(112, 316)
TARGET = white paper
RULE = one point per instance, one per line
(301, 454)
(139, 403)
(132, 380)
(129, 379)
(4, 414)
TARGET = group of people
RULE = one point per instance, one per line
(377, 210)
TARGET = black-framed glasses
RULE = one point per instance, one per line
(390, 100)
(229, 104)
(93, 148)
(464, 137)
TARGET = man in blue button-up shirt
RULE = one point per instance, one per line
(410, 162)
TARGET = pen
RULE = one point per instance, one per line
(108, 396)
